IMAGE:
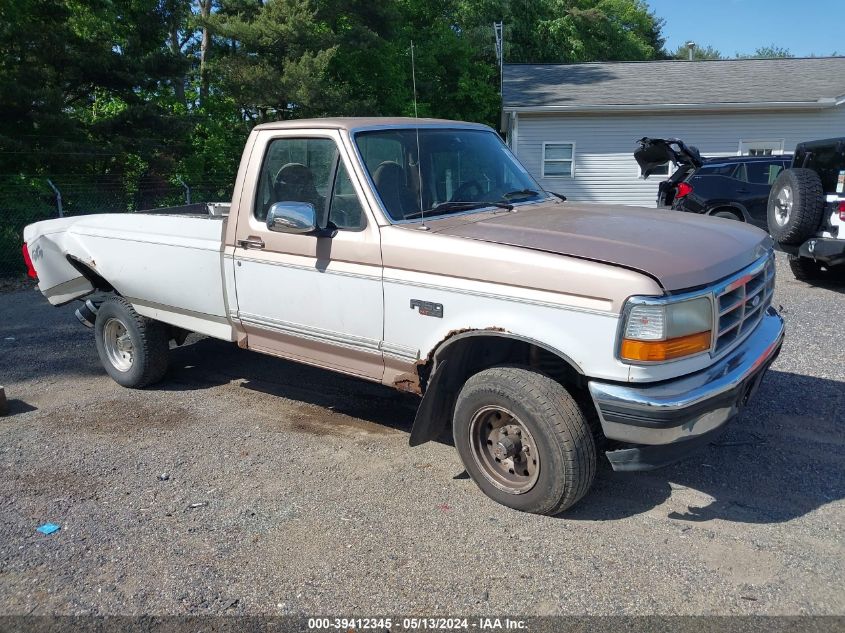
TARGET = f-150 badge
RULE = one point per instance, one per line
(427, 308)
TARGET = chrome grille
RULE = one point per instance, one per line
(741, 303)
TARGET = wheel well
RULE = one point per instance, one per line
(472, 353)
(469, 353)
(97, 280)
(728, 209)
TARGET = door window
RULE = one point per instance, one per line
(296, 170)
(719, 169)
(763, 173)
(309, 170)
(345, 210)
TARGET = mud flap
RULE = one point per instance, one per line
(433, 412)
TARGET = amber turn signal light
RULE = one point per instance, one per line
(652, 351)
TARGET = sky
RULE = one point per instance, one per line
(805, 27)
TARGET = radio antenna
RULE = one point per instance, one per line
(417, 130)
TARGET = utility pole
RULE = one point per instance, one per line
(187, 190)
(498, 29)
(205, 49)
(58, 193)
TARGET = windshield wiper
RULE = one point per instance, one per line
(528, 193)
(467, 205)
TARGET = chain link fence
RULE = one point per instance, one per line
(27, 200)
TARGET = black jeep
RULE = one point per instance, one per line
(806, 210)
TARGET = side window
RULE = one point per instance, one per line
(730, 170)
(763, 173)
(775, 169)
(296, 170)
(345, 210)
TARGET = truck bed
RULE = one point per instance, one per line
(168, 264)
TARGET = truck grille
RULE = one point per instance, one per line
(742, 302)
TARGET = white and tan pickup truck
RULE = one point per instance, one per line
(421, 254)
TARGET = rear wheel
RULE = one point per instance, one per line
(133, 349)
(795, 206)
(523, 440)
(805, 269)
(727, 215)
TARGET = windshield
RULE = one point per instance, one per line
(457, 171)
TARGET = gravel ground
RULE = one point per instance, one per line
(311, 502)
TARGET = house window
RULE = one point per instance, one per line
(761, 147)
(558, 160)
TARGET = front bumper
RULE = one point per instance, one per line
(663, 422)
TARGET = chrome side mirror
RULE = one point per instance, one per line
(292, 217)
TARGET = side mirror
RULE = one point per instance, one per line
(292, 217)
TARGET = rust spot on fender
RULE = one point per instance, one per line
(408, 382)
(413, 382)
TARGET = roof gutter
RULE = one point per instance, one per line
(820, 104)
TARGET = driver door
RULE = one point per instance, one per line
(312, 299)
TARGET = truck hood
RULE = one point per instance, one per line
(679, 250)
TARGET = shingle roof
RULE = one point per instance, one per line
(739, 81)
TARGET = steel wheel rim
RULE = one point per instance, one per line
(783, 206)
(504, 450)
(118, 345)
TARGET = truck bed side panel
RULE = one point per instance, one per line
(169, 267)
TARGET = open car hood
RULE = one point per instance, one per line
(654, 152)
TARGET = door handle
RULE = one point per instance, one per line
(251, 242)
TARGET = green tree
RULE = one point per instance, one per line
(767, 52)
(699, 53)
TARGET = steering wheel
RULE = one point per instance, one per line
(462, 194)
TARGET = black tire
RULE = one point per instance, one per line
(727, 215)
(805, 269)
(149, 341)
(561, 436)
(795, 206)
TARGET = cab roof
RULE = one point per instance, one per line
(354, 123)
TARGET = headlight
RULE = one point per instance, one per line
(656, 330)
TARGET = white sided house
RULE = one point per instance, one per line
(575, 126)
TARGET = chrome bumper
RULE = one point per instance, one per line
(678, 411)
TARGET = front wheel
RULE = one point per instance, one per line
(523, 440)
(133, 349)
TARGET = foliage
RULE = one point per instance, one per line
(158, 91)
(769, 52)
(699, 53)
(708, 52)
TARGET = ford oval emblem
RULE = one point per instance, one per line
(755, 301)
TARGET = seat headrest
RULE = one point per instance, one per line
(294, 174)
(389, 170)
